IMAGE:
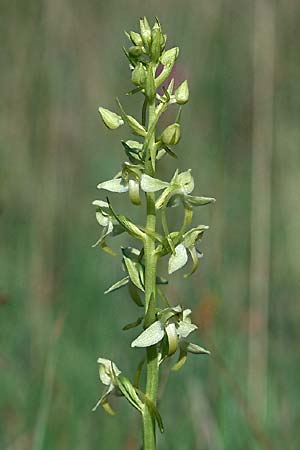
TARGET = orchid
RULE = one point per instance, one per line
(110, 225)
(166, 329)
(108, 372)
(188, 244)
(173, 325)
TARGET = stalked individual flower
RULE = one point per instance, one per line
(176, 192)
(110, 225)
(128, 180)
(171, 329)
(116, 384)
(108, 372)
(110, 119)
(188, 244)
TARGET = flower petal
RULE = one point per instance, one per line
(193, 348)
(151, 336)
(114, 185)
(150, 184)
(178, 260)
(134, 191)
(185, 328)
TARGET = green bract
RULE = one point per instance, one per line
(164, 328)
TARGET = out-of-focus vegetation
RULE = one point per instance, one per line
(60, 60)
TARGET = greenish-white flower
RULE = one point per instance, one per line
(173, 326)
(106, 220)
(108, 371)
(188, 245)
(116, 384)
(178, 191)
(126, 181)
(130, 180)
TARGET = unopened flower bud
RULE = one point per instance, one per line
(170, 56)
(138, 75)
(135, 51)
(171, 135)
(156, 43)
(136, 38)
(182, 93)
(145, 31)
(110, 119)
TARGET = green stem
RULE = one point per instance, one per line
(150, 291)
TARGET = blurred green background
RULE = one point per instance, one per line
(60, 60)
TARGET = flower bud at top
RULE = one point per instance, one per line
(156, 43)
(136, 38)
(138, 75)
(182, 93)
(110, 119)
(171, 135)
(145, 31)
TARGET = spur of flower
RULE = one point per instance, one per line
(170, 330)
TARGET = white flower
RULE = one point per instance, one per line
(130, 180)
(108, 371)
(188, 244)
(110, 225)
(175, 325)
(179, 190)
(173, 322)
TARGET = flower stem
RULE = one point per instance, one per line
(150, 293)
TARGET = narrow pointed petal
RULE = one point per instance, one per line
(185, 328)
